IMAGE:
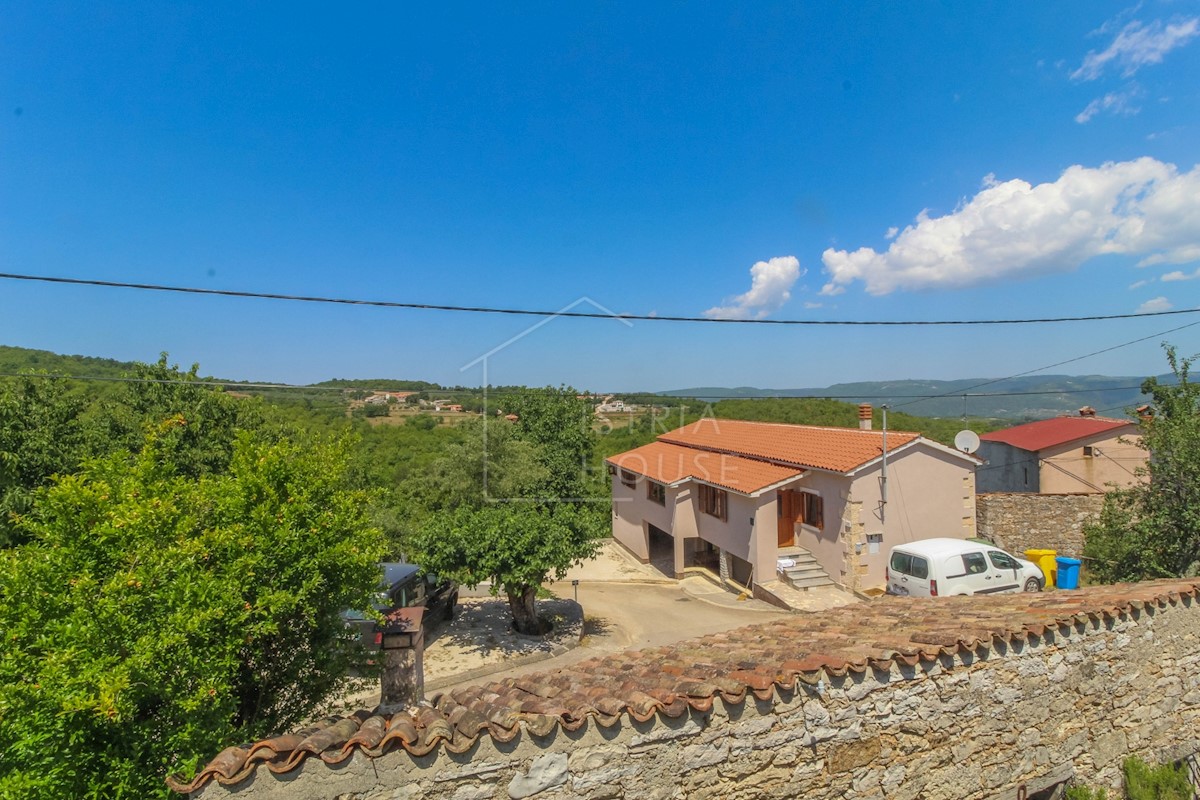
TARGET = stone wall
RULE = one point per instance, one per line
(1020, 521)
(1005, 718)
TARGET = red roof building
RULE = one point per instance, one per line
(741, 498)
(1065, 455)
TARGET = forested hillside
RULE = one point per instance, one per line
(1017, 399)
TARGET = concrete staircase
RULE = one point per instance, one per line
(807, 573)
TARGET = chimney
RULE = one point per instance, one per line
(401, 651)
(864, 416)
(1087, 411)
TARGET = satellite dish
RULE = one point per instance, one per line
(967, 441)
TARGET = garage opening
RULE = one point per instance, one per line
(740, 569)
(700, 553)
(662, 551)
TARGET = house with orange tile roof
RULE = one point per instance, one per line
(1082, 454)
(746, 498)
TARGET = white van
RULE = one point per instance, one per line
(940, 567)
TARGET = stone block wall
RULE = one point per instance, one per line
(1005, 718)
(1020, 521)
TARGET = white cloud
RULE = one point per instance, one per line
(1121, 103)
(1157, 304)
(1179, 275)
(1138, 285)
(1012, 230)
(1180, 255)
(1136, 45)
(809, 304)
(891, 233)
(770, 287)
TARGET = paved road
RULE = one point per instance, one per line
(624, 616)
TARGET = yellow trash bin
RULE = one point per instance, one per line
(1045, 560)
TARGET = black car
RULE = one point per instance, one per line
(403, 586)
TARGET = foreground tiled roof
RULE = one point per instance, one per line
(670, 463)
(836, 449)
(693, 674)
(1034, 436)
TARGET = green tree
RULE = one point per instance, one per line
(559, 426)
(42, 433)
(155, 617)
(1152, 529)
(514, 546)
(211, 418)
(508, 505)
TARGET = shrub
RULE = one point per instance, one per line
(155, 617)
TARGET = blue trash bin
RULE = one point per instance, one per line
(1068, 572)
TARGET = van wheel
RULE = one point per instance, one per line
(1032, 585)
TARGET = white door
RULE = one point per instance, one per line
(1005, 572)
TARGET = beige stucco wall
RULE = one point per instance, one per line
(826, 544)
(930, 493)
(997, 722)
(628, 511)
(1066, 469)
(633, 511)
(737, 533)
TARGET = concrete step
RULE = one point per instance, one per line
(801, 558)
(809, 572)
(811, 582)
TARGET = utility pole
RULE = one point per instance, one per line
(883, 493)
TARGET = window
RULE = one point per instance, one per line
(656, 492)
(1089, 451)
(628, 478)
(1003, 560)
(907, 564)
(812, 510)
(974, 563)
(714, 501)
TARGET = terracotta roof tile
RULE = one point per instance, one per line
(1034, 436)
(836, 449)
(669, 463)
(689, 675)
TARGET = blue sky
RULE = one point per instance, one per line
(866, 162)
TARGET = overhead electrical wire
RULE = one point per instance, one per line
(568, 313)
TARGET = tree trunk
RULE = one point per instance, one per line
(521, 602)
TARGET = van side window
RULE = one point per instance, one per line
(1003, 561)
(974, 563)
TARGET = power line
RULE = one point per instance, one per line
(571, 314)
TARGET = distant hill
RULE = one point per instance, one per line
(20, 359)
(1029, 397)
